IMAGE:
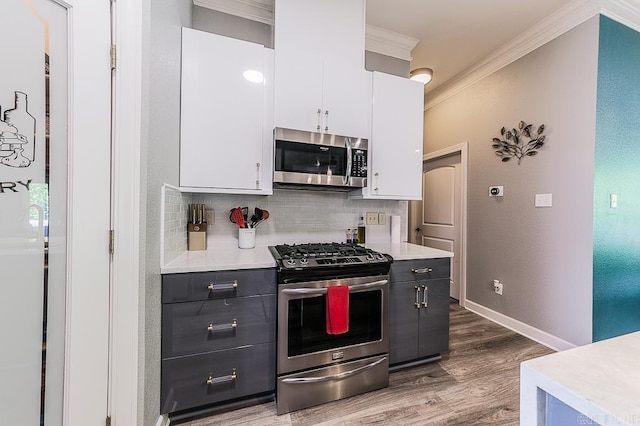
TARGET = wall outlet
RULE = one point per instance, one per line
(382, 218)
(210, 216)
(497, 287)
(496, 191)
(372, 218)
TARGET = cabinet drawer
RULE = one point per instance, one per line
(427, 269)
(212, 325)
(217, 285)
(184, 379)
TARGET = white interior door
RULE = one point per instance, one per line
(55, 211)
(437, 219)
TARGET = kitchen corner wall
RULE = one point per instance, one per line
(298, 216)
(543, 256)
(159, 164)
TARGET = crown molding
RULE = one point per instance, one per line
(625, 12)
(389, 43)
(378, 39)
(565, 19)
(256, 10)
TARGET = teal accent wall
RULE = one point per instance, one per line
(616, 239)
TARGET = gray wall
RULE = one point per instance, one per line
(378, 62)
(212, 21)
(542, 255)
(160, 151)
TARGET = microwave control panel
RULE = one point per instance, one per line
(359, 163)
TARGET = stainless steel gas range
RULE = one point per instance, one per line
(314, 366)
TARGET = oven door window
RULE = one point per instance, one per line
(310, 159)
(307, 323)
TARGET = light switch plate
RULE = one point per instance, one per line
(544, 200)
(382, 218)
(613, 201)
(372, 218)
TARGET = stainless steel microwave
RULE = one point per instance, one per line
(319, 159)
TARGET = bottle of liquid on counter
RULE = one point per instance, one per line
(361, 231)
(349, 236)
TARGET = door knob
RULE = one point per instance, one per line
(418, 229)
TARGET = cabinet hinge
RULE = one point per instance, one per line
(112, 244)
(113, 56)
(108, 421)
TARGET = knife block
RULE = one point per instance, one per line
(196, 236)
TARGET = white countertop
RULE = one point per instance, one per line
(600, 380)
(260, 257)
(408, 251)
(220, 260)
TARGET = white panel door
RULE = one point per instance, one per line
(55, 211)
(436, 220)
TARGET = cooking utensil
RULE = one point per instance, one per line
(238, 218)
(265, 216)
(256, 217)
(245, 215)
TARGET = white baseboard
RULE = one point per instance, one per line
(163, 420)
(519, 327)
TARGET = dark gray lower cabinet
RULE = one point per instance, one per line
(218, 337)
(198, 380)
(419, 309)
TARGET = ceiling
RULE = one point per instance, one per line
(456, 34)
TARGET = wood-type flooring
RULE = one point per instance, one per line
(476, 382)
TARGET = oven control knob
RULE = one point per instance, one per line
(304, 261)
(381, 257)
(370, 257)
(291, 262)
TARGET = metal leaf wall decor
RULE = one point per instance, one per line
(523, 142)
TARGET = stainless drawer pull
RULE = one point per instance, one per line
(339, 376)
(229, 286)
(223, 379)
(425, 296)
(223, 327)
(417, 304)
(421, 270)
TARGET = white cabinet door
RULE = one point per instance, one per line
(395, 168)
(346, 101)
(321, 82)
(223, 121)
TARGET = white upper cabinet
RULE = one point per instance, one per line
(226, 130)
(321, 83)
(395, 162)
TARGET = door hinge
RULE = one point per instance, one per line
(112, 243)
(108, 422)
(113, 56)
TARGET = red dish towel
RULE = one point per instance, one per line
(337, 317)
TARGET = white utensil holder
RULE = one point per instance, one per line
(246, 238)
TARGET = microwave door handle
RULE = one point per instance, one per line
(347, 176)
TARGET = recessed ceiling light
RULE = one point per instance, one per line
(423, 75)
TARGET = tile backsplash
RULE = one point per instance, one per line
(174, 233)
(294, 217)
(299, 216)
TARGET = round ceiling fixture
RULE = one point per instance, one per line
(423, 75)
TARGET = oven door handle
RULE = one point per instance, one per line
(355, 287)
(339, 376)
